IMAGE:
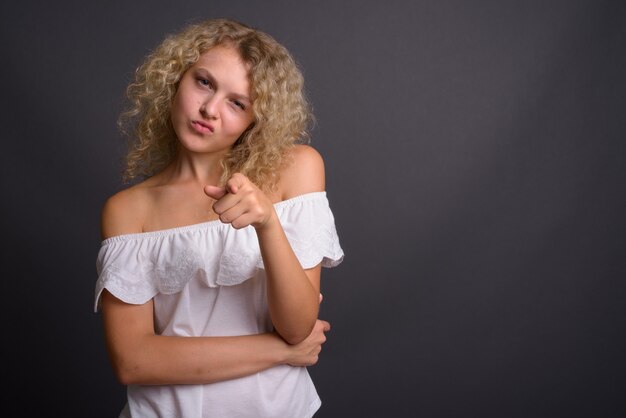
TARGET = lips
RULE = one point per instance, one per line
(202, 127)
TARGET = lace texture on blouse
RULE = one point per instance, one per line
(136, 267)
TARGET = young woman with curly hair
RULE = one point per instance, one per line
(209, 268)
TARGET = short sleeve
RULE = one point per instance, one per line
(121, 274)
(309, 225)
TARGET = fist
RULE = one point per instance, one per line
(307, 352)
(241, 203)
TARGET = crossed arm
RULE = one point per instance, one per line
(139, 356)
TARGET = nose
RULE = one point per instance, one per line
(209, 107)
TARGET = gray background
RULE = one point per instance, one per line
(475, 161)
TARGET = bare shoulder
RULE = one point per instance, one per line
(304, 172)
(124, 212)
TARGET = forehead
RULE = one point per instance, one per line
(223, 57)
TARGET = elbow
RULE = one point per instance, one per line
(296, 330)
(131, 377)
(128, 372)
(131, 363)
(125, 376)
(296, 337)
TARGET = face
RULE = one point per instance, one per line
(212, 105)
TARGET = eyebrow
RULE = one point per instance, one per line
(242, 97)
(206, 73)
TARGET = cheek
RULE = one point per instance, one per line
(174, 112)
(234, 124)
(184, 99)
(176, 105)
(246, 122)
(180, 109)
(245, 125)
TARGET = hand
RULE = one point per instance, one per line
(306, 353)
(241, 203)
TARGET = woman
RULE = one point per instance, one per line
(209, 269)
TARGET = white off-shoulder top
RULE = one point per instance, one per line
(208, 280)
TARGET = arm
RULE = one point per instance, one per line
(139, 356)
(292, 292)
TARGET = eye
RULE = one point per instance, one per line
(204, 82)
(239, 104)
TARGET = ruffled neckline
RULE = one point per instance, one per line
(216, 223)
(136, 267)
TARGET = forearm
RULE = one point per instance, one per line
(293, 299)
(155, 359)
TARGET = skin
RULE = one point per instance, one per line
(209, 112)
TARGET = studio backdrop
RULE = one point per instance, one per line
(475, 165)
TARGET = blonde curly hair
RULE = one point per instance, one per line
(282, 115)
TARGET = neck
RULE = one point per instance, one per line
(203, 169)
